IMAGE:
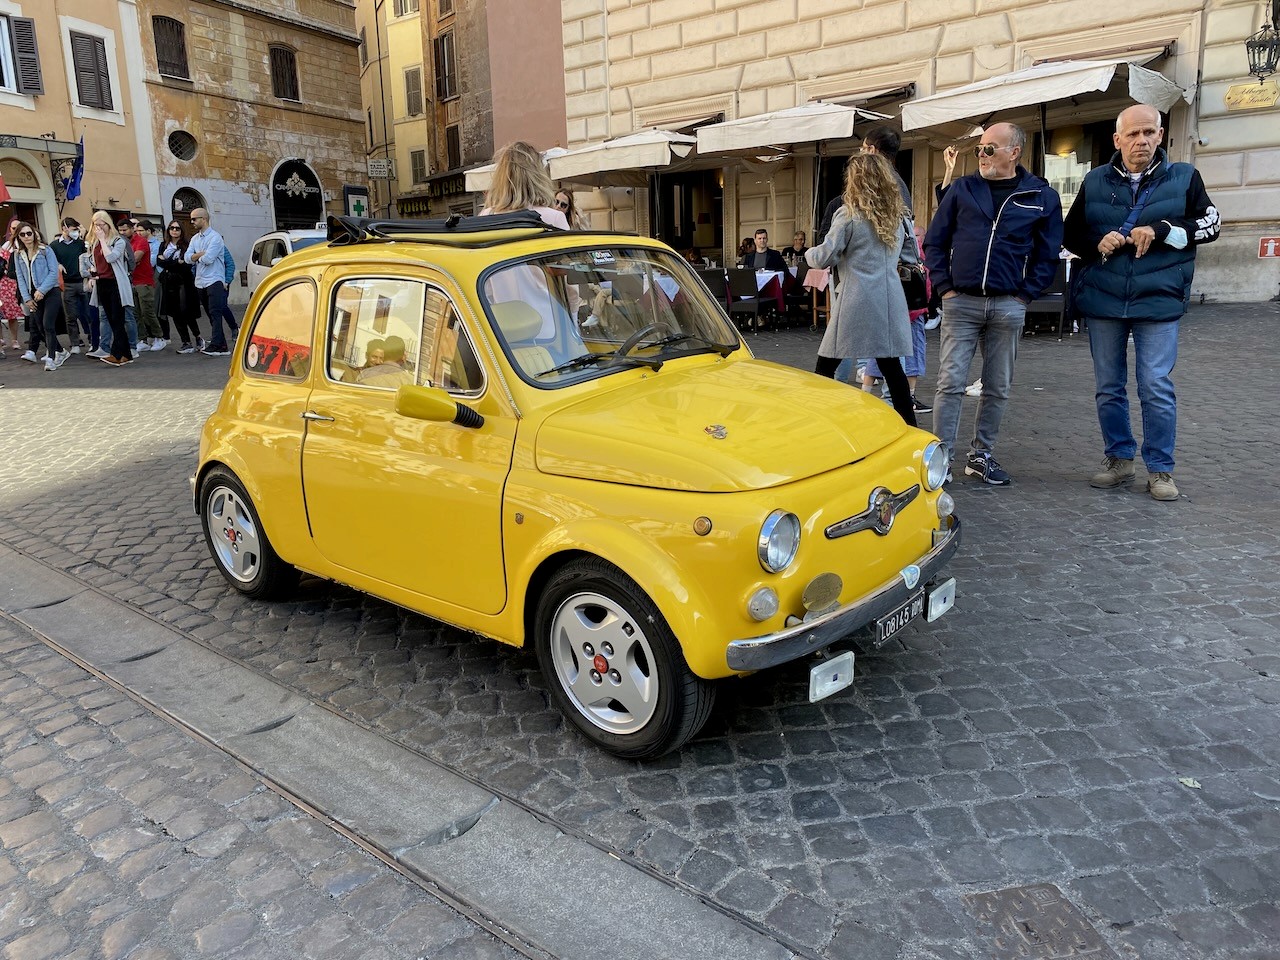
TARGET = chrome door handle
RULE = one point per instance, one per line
(312, 415)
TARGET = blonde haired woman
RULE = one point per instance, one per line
(520, 182)
(868, 237)
(112, 290)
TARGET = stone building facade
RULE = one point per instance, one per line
(634, 64)
(254, 112)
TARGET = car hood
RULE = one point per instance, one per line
(716, 428)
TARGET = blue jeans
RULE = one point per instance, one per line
(131, 327)
(214, 300)
(1155, 351)
(994, 324)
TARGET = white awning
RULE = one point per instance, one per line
(646, 150)
(1042, 83)
(479, 179)
(806, 123)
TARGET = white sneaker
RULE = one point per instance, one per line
(974, 389)
(29, 356)
(934, 322)
(142, 347)
(160, 343)
(49, 365)
(60, 358)
(97, 354)
(75, 350)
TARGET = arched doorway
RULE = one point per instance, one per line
(296, 196)
(30, 196)
(184, 201)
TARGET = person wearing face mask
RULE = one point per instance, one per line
(991, 249)
(68, 246)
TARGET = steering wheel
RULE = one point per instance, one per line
(629, 344)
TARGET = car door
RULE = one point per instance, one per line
(406, 502)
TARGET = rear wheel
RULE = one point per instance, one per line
(238, 543)
(614, 667)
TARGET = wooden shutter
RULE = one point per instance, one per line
(29, 78)
(93, 81)
(413, 91)
(171, 47)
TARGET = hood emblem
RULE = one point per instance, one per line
(715, 431)
(911, 575)
(882, 507)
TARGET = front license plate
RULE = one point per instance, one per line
(890, 625)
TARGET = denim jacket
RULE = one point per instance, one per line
(43, 268)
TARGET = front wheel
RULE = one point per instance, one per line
(237, 541)
(614, 667)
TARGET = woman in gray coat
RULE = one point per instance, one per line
(868, 237)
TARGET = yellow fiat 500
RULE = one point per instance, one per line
(560, 439)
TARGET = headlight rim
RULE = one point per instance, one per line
(932, 448)
(768, 529)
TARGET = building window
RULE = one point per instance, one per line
(453, 145)
(171, 47)
(19, 56)
(413, 91)
(418, 164)
(370, 128)
(406, 7)
(446, 7)
(284, 74)
(183, 145)
(364, 48)
(93, 78)
(446, 67)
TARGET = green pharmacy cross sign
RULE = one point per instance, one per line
(355, 200)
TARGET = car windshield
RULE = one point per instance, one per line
(301, 242)
(575, 314)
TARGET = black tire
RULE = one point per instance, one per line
(237, 542)
(592, 615)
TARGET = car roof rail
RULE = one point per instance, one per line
(348, 230)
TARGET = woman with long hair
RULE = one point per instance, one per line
(178, 298)
(10, 310)
(868, 238)
(112, 291)
(565, 203)
(36, 268)
(520, 182)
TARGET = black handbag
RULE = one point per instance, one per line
(914, 285)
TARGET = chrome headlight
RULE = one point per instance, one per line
(935, 462)
(779, 541)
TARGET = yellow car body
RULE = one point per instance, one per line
(468, 502)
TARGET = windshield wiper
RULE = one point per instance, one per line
(591, 359)
(724, 349)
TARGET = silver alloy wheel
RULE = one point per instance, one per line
(233, 534)
(591, 631)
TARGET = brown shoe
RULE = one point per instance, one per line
(110, 360)
(1162, 487)
(1114, 473)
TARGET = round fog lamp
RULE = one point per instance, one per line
(779, 541)
(936, 462)
(763, 604)
(946, 505)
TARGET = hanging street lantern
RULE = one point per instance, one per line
(1264, 46)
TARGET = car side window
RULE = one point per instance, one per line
(258, 257)
(280, 336)
(375, 331)
(448, 360)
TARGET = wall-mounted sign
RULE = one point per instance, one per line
(380, 168)
(1268, 247)
(355, 200)
(449, 186)
(413, 206)
(1252, 96)
(17, 174)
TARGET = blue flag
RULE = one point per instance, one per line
(72, 183)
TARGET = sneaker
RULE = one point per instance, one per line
(974, 389)
(60, 358)
(49, 365)
(186, 348)
(97, 353)
(919, 407)
(200, 344)
(1162, 487)
(159, 343)
(932, 323)
(1115, 472)
(109, 359)
(29, 356)
(211, 352)
(123, 360)
(76, 349)
(142, 347)
(983, 465)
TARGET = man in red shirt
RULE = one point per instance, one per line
(144, 288)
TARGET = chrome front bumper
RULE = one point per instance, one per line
(759, 653)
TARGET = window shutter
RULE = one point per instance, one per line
(284, 74)
(171, 47)
(28, 55)
(89, 60)
(413, 91)
(104, 75)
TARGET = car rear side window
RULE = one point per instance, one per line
(279, 341)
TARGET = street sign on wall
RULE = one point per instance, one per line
(355, 200)
(1268, 247)
(380, 168)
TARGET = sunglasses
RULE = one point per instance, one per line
(25, 233)
(986, 150)
(562, 204)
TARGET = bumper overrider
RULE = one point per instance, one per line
(759, 653)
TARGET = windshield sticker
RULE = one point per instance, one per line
(601, 256)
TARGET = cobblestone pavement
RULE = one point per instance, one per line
(120, 835)
(1099, 711)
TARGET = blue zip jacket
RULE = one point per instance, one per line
(972, 246)
(44, 266)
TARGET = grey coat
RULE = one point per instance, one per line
(871, 318)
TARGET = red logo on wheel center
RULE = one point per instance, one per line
(601, 664)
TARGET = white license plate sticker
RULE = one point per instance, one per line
(830, 676)
(890, 625)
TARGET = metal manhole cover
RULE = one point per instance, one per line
(1035, 922)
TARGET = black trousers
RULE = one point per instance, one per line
(109, 303)
(899, 386)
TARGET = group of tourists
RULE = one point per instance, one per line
(992, 248)
(116, 293)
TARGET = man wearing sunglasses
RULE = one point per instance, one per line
(1135, 224)
(991, 249)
